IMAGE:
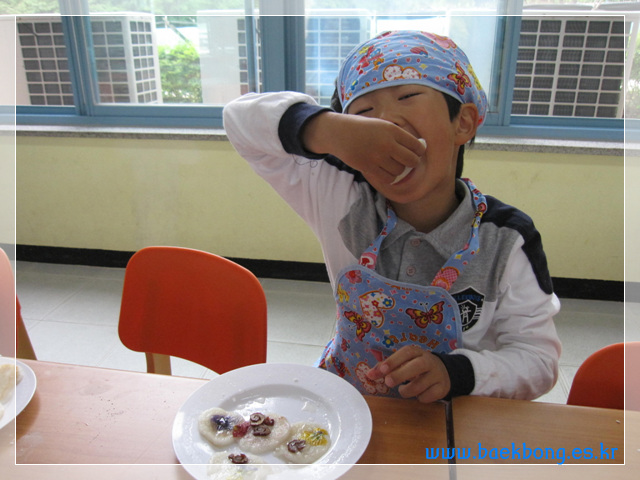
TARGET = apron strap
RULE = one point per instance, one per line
(452, 269)
(369, 257)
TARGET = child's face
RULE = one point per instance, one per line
(421, 111)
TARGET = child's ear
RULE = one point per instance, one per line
(466, 123)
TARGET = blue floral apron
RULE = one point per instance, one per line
(377, 316)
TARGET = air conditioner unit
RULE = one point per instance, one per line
(125, 56)
(571, 66)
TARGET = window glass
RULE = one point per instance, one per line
(141, 59)
(569, 60)
(332, 33)
(7, 73)
(21, 7)
(229, 49)
(632, 106)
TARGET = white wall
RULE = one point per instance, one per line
(7, 57)
(7, 137)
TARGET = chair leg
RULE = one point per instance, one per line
(24, 348)
(157, 363)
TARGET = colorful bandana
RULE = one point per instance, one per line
(410, 57)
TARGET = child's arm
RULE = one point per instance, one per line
(379, 149)
(253, 124)
(522, 361)
(264, 130)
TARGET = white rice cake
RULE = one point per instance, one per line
(312, 442)
(263, 444)
(10, 375)
(220, 433)
(222, 468)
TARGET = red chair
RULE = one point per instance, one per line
(599, 382)
(14, 339)
(24, 348)
(194, 305)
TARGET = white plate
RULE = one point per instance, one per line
(23, 393)
(298, 392)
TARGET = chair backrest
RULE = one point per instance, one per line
(24, 348)
(599, 382)
(14, 339)
(194, 305)
(632, 375)
(7, 307)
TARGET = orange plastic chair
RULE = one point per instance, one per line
(24, 347)
(7, 307)
(599, 382)
(632, 367)
(10, 316)
(194, 305)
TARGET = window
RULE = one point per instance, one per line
(133, 69)
(560, 71)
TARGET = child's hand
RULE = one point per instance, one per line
(379, 149)
(418, 372)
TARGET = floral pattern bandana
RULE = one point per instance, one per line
(410, 57)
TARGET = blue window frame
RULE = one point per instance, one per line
(282, 41)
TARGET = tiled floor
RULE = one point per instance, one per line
(71, 313)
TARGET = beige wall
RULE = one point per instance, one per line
(126, 194)
(576, 202)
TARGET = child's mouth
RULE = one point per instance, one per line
(402, 176)
(407, 170)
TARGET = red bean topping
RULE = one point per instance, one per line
(261, 430)
(241, 429)
(238, 459)
(269, 421)
(295, 446)
(256, 418)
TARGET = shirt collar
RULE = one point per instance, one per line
(448, 237)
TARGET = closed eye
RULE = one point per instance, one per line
(409, 95)
(363, 111)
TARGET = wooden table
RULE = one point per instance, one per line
(497, 423)
(495, 430)
(86, 415)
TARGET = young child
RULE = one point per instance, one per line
(441, 291)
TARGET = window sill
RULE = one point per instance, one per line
(575, 147)
(134, 133)
(512, 144)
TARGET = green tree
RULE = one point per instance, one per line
(180, 73)
(17, 7)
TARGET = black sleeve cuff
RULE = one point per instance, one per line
(460, 372)
(292, 124)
